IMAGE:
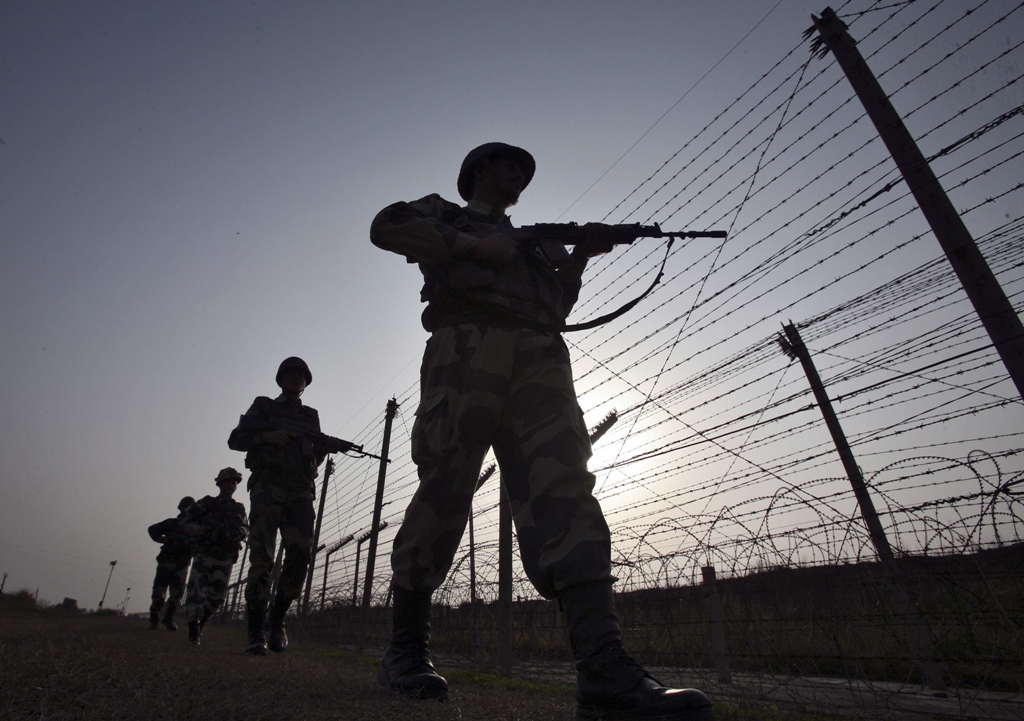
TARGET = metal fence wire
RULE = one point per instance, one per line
(742, 557)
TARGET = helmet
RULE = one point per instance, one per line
(186, 502)
(293, 362)
(523, 158)
(228, 474)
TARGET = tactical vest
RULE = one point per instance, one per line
(468, 290)
(290, 464)
(220, 520)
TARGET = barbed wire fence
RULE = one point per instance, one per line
(719, 459)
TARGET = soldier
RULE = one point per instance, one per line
(281, 488)
(496, 373)
(221, 527)
(171, 566)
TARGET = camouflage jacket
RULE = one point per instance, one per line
(439, 236)
(293, 465)
(220, 525)
(176, 542)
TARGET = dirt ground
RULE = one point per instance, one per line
(56, 666)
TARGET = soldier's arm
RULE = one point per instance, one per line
(158, 531)
(421, 231)
(245, 441)
(320, 450)
(243, 526)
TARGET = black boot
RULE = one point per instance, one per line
(169, 610)
(610, 685)
(154, 619)
(195, 631)
(406, 668)
(277, 639)
(255, 614)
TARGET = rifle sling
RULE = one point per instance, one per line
(502, 314)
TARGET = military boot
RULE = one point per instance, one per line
(195, 631)
(611, 686)
(277, 639)
(169, 623)
(257, 641)
(406, 668)
(154, 619)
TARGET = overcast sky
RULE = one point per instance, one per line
(185, 195)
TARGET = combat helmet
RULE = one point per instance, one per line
(523, 158)
(228, 474)
(186, 502)
(293, 362)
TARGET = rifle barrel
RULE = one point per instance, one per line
(700, 234)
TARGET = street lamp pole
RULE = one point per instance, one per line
(112, 564)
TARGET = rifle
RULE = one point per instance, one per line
(309, 438)
(551, 238)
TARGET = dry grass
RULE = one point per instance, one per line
(60, 667)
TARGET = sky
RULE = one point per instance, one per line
(186, 190)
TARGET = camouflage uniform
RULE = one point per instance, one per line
(171, 563)
(496, 374)
(487, 381)
(224, 527)
(281, 491)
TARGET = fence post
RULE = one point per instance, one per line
(278, 562)
(979, 282)
(921, 646)
(478, 642)
(238, 584)
(504, 582)
(315, 548)
(371, 555)
(716, 615)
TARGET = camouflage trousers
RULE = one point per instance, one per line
(290, 510)
(170, 577)
(207, 585)
(484, 386)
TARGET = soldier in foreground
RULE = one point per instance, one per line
(220, 527)
(281, 488)
(496, 373)
(171, 567)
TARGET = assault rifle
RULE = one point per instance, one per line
(551, 238)
(309, 438)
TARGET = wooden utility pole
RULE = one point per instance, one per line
(917, 632)
(315, 548)
(371, 555)
(979, 282)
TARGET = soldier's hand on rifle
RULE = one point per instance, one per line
(277, 437)
(498, 249)
(598, 239)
